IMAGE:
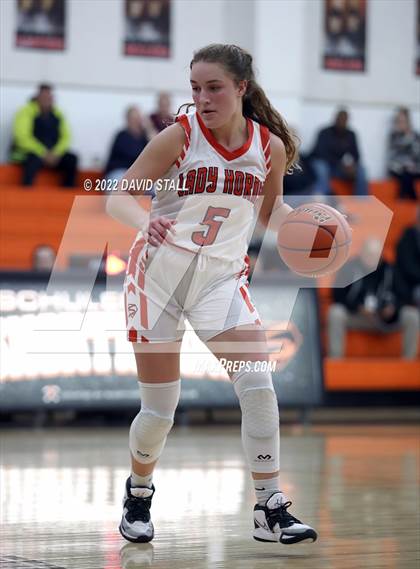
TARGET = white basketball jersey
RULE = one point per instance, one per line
(212, 192)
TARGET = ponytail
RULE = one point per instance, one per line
(257, 107)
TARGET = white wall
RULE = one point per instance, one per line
(95, 82)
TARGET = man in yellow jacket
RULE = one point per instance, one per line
(41, 139)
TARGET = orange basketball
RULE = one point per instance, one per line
(314, 240)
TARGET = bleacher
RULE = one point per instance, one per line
(372, 359)
(40, 214)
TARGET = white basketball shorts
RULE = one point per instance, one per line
(166, 284)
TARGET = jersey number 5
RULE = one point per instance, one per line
(201, 237)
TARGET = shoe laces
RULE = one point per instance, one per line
(138, 509)
(281, 516)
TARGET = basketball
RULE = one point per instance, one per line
(314, 240)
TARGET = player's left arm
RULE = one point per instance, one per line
(273, 204)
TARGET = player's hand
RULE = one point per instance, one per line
(50, 159)
(367, 312)
(161, 229)
(388, 311)
(350, 171)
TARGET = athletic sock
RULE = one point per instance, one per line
(265, 488)
(137, 480)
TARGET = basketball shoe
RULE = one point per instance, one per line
(273, 522)
(136, 525)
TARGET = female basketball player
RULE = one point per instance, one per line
(227, 159)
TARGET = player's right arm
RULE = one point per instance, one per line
(153, 162)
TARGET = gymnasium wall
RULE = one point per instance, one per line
(95, 82)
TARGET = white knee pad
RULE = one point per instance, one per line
(260, 418)
(151, 426)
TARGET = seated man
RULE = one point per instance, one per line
(336, 155)
(128, 143)
(41, 138)
(407, 267)
(43, 258)
(369, 303)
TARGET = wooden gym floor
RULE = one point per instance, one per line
(357, 485)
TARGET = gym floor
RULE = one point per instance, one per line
(358, 485)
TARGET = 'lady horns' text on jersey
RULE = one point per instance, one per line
(205, 179)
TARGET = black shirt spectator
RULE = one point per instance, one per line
(376, 287)
(334, 143)
(369, 303)
(127, 144)
(336, 154)
(407, 266)
(125, 149)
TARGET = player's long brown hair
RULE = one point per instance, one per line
(238, 63)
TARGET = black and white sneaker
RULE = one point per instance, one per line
(136, 525)
(273, 522)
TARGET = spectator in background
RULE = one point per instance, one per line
(41, 139)
(369, 303)
(404, 154)
(302, 180)
(128, 143)
(162, 117)
(336, 155)
(407, 266)
(43, 258)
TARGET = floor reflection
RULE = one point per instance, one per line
(61, 500)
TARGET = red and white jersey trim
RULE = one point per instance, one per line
(184, 122)
(265, 143)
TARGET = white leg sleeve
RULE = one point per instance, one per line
(260, 418)
(151, 426)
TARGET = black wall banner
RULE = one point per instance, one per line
(147, 28)
(345, 35)
(41, 24)
(56, 355)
